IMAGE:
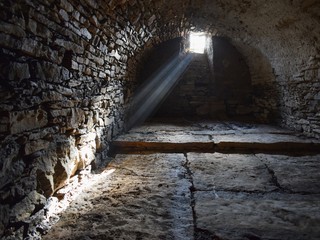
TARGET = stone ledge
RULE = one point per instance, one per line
(214, 137)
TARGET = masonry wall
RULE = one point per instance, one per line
(216, 85)
(265, 93)
(283, 60)
(300, 98)
(232, 79)
(67, 71)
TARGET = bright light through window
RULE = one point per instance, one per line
(197, 42)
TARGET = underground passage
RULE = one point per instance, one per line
(154, 119)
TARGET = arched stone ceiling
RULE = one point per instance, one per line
(286, 31)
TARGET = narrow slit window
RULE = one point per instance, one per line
(197, 42)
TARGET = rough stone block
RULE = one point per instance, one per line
(86, 138)
(45, 183)
(35, 145)
(74, 65)
(229, 215)
(32, 47)
(66, 166)
(295, 174)
(12, 29)
(85, 33)
(52, 96)
(27, 120)
(24, 209)
(19, 71)
(64, 91)
(87, 155)
(10, 165)
(64, 15)
(229, 172)
(66, 6)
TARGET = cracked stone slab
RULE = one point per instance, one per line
(233, 172)
(143, 197)
(226, 215)
(296, 174)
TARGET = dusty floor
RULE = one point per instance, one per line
(201, 181)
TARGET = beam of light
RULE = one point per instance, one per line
(156, 89)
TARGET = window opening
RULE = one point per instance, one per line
(197, 42)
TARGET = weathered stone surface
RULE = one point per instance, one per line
(27, 120)
(212, 136)
(45, 182)
(86, 155)
(145, 196)
(175, 137)
(65, 59)
(273, 216)
(232, 172)
(9, 153)
(295, 174)
(193, 196)
(34, 201)
(261, 142)
(34, 146)
(4, 216)
(19, 71)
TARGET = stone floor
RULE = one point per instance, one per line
(203, 180)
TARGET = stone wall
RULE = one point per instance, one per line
(192, 95)
(265, 93)
(300, 98)
(232, 79)
(67, 72)
(276, 39)
(216, 84)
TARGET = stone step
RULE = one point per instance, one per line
(294, 148)
(223, 138)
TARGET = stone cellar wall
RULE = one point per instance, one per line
(192, 95)
(300, 98)
(278, 39)
(67, 72)
(285, 90)
(283, 58)
(217, 84)
(295, 85)
(232, 79)
(68, 68)
(265, 98)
